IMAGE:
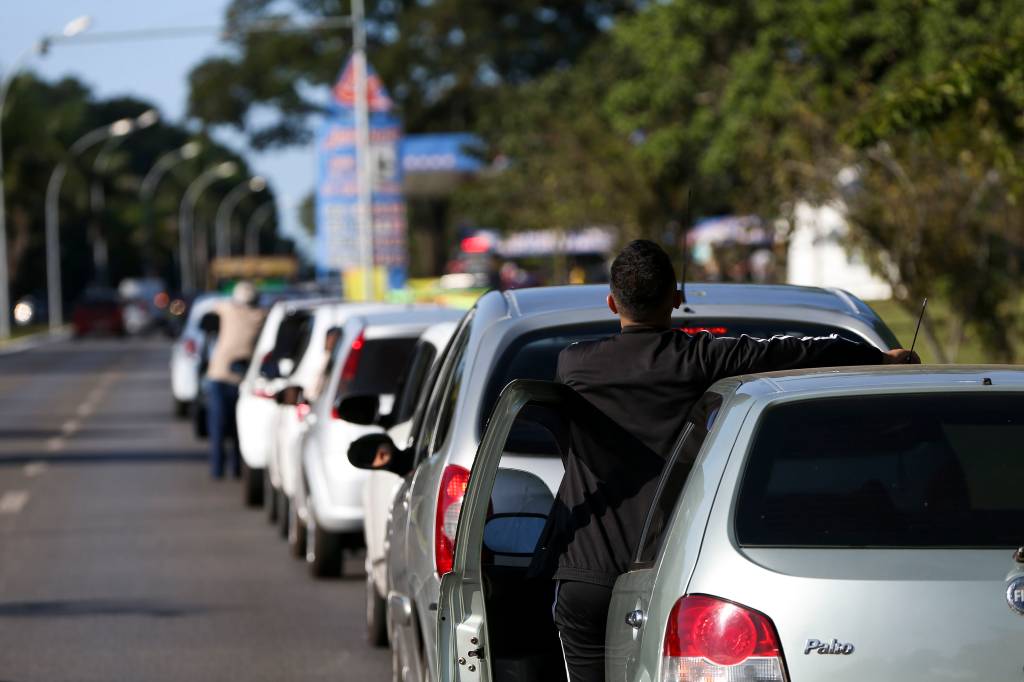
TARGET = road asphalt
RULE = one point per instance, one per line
(121, 560)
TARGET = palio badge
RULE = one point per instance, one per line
(1015, 594)
(834, 647)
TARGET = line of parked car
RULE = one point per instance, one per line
(841, 524)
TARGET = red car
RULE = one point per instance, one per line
(98, 312)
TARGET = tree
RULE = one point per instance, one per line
(559, 164)
(751, 98)
(41, 121)
(442, 60)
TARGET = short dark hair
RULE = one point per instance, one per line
(642, 279)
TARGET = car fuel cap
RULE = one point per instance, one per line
(1015, 594)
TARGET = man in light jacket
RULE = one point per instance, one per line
(239, 324)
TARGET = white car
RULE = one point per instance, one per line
(256, 411)
(518, 335)
(186, 354)
(381, 485)
(308, 368)
(370, 360)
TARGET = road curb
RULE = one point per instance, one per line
(34, 341)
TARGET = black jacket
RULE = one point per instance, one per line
(638, 387)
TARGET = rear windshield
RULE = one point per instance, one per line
(921, 470)
(382, 362)
(535, 356)
(293, 335)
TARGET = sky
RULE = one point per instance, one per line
(156, 70)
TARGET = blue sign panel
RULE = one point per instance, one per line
(337, 190)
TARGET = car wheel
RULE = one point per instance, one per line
(376, 615)
(283, 511)
(326, 554)
(296, 533)
(252, 486)
(199, 420)
(269, 498)
(180, 408)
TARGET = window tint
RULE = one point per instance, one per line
(677, 470)
(412, 382)
(926, 470)
(535, 356)
(426, 428)
(451, 398)
(381, 364)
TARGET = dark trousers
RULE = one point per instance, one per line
(581, 616)
(221, 399)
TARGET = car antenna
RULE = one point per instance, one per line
(683, 249)
(920, 318)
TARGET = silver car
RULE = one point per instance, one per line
(840, 524)
(518, 335)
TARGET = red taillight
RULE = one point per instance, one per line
(449, 504)
(348, 372)
(190, 347)
(302, 410)
(717, 331)
(710, 638)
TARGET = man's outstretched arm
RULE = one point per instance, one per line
(726, 357)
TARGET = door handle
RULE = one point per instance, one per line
(635, 619)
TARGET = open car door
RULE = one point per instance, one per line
(493, 544)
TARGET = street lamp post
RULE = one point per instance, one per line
(118, 128)
(222, 223)
(186, 216)
(71, 29)
(258, 218)
(98, 198)
(163, 165)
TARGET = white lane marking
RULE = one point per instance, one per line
(13, 501)
(70, 426)
(55, 443)
(33, 469)
(86, 408)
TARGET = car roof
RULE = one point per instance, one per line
(882, 378)
(545, 299)
(412, 315)
(439, 334)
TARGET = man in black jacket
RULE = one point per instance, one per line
(641, 384)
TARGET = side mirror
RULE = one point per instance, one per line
(362, 452)
(210, 323)
(289, 395)
(358, 409)
(514, 535)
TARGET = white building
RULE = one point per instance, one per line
(817, 254)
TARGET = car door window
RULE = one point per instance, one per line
(413, 381)
(702, 419)
(430, 416)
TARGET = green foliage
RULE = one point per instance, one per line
(442, 60)
(41, 121)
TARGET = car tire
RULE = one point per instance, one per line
(376, 615)
(326, 554)
(283, 511)
(269, 498)
(252, 486)
(296, 533)
(180, 408)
